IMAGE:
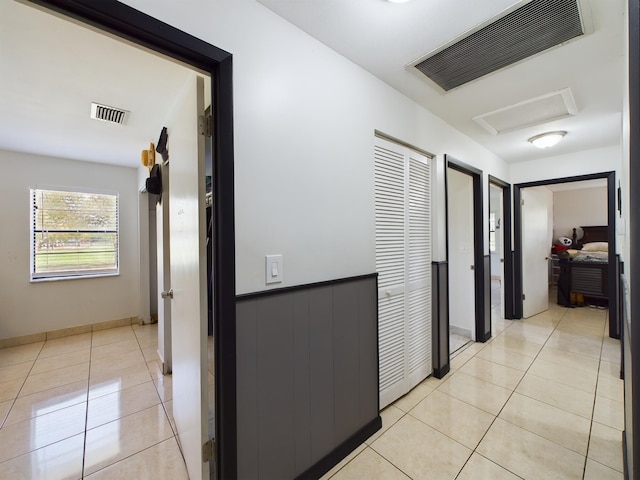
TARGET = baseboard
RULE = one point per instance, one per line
(625, 459)
(465, 332)
(441, 372)
(66, 332)
(334, 457)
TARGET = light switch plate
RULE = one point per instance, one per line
(273, 269)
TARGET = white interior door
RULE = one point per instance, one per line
(188, 275)
(163, 260)
(536, 245)
(462, 310)
(496, 208)
(403, 262)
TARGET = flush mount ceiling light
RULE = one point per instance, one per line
(398, 1)
(546, 140)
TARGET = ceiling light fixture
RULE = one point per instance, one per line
(549, 139)
(397, 1)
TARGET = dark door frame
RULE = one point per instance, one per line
(614, 326)
(480, 267)
(506, 238)
(631, 335)
(141, 29)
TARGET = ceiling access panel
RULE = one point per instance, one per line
(526, 31)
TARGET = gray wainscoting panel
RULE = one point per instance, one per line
(307, 376)
(440, 318)
(301, 380)
(346, 362)
(275, 386)
(246, 375)
(486, 313)
(321, 370)
(368, 350)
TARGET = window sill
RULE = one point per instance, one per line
(73, 277)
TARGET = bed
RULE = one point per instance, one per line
(585, 273)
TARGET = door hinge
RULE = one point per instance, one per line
(205, 125)
(522, 202)
(209, 451)
(523, 297)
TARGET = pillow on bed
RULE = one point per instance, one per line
(591, 256)
(595, 247)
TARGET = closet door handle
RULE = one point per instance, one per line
(168, 294)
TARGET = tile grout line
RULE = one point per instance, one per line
(509, 398)
(442, 433)
(474, 450)
(549, 335)
(404, 414)
(86, 413)
(162, 402)
(595, 395)
(15, 399)
(120, 418)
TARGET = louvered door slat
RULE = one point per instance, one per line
(419, 266)
(389, 201)
(403, 262)
(391, 340)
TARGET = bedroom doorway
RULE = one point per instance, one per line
(190, 420)
(500, 263)
(469, 316)
(577, 218)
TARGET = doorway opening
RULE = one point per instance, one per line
(144, 31)
(559, 227)
(469, 319)
(500, 253)
(496, 250)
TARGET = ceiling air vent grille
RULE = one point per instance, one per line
(530, 29)
(109, 114)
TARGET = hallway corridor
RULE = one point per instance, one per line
(541, 400)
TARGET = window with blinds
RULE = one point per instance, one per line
(73, 234)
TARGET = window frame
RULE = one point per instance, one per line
(34, 276)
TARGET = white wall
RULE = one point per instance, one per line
(304, 127)
(27, 308)
(461, 252)
(582, 207)
(597, 160)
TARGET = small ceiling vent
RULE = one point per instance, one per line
(109, 114)
(526, 31)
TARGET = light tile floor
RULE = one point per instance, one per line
(93, 406)
(541, 400)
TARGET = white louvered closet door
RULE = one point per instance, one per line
(403, 262)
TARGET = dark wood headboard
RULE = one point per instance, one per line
(593, 234)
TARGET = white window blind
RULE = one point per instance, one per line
(73, 234)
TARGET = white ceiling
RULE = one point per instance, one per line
(57, 68)
(53, 69)
(384, 38)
